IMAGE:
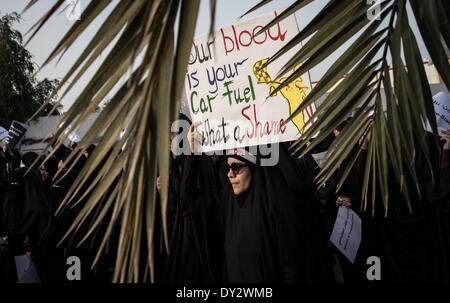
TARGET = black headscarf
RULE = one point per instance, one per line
(28, 158)
(263, 231)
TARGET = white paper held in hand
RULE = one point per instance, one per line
(346, 235)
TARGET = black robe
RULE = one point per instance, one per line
(371, 241)
(299, 175)
(7, 268)
(192, 222)
(13, 159)
(412, 247)
(417, 244)
(27, 219)
(3, 185)
(63, 221)
(264, 232)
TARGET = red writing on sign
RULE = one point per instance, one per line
(246, 38)
(265, 128)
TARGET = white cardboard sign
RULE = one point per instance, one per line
(226, 86)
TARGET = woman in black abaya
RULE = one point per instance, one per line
(263, 225)
(26, 216)
(191, 222)
(299, 175)
(418, 243)
(7, 268)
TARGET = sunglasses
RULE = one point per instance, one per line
(235, 167)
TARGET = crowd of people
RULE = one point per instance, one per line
(231, 219)
(251, 223)
(28, 221)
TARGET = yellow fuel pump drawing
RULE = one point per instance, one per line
(294, 93)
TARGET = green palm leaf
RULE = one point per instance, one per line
(121, 188)
(397, 124)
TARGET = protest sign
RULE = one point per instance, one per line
(16, 133)
(441, 102)
(227, 86)
(346, 235)
(3, 134)
(73, 136)
(26, 270)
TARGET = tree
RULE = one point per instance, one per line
(21, 95)
(150, 99)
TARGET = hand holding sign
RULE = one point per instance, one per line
(446, 137)
(344, 201)
(193, 136)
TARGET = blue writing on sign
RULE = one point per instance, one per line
(219, 74)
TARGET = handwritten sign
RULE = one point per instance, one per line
(441, 102)
(3, 134)
(346, 235)
(16, 133)
(26, 270)
(227, 85)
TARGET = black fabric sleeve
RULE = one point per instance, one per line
(291, 239)
(188, 189)
(445, 172)
(445, 160)
(290, 229)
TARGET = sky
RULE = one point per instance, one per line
(227, 13)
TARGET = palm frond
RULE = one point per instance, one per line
(117, 184)
(397, 124)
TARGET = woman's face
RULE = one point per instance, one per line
(241, 180)
(44, 172)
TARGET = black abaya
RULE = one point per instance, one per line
(264, 232)
(415, 247)
(192, 222)
(26, 218)
(299, 175)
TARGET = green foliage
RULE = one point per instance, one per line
(21, 95)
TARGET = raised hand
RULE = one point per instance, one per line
(194, 136)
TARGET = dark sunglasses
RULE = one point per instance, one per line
(235, 167)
